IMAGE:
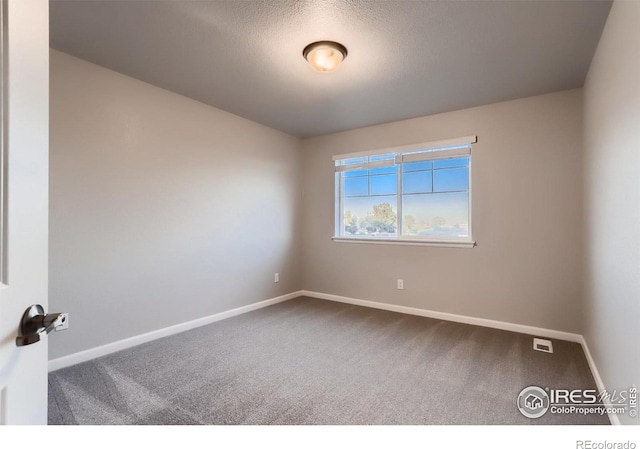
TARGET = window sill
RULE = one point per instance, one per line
(408, 242)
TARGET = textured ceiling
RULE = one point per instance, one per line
(406, 58)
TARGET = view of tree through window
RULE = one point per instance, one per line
(381, 196)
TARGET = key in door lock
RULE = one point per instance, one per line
(34, 323)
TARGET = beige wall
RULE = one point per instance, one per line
(163, 209)
(612, 200)
(527, 218)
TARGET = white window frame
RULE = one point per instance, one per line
(407, 153)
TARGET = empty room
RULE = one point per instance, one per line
(336, 213)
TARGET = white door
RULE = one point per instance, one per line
(24, 234)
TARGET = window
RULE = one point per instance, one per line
(413, 194)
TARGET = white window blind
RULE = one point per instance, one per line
(434, 154)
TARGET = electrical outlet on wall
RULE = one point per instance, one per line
(400, 284)
(64, 323)
(276, 277)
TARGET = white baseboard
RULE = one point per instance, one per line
(599, 383)
(89, 354)
(521, 328)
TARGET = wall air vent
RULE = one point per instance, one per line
(543, 345)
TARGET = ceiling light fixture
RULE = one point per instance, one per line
(324, 56)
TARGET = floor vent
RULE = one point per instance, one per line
(542, 345)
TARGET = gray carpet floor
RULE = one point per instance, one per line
(309, 361)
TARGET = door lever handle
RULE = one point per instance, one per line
(34, 323)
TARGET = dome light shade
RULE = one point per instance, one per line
(324, 56)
